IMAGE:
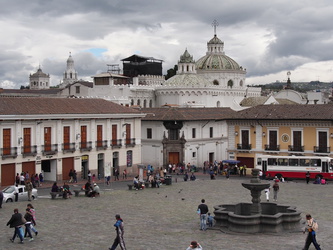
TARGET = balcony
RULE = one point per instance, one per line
(85, 146)
(50, 149)
(68, 147)
(29, 150)
(322, 150)
(295, 148)
(116, 143)
(244, 146)
(272, 147)
(9, 152)
(101, 145)
(130, 142)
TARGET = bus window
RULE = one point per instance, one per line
(293, 162)
(304, 162)
(272, 162)
(315, 162)
(282, 162)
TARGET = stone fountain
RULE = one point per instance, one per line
(257, 217)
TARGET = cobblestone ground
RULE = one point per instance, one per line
(165, 218)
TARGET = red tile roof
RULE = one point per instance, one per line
(40, 106)
(186, 114)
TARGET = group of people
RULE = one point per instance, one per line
(35, 179)
(17, 221)
(91, 190)
(64, 190)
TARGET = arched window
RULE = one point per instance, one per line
(138, 102)
(145, 103)
(216, 82)
(230, 83)
(241, 83)
(132, 102)
(150, 103)
(218, 104)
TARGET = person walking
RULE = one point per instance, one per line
(16, 221)
(276, 188)
(119, 240)
(307, 177)
(29, 221)
(1, 198)
(29, 187)
(33, 213)
(311, 228)
(203, 210)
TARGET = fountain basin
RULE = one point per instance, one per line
(272, 219)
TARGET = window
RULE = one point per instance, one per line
(193, 133)
(77, 89)
(149, 133)
(211, 132)
(173, 134)
(194, 154)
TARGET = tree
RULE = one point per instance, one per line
(171, 72)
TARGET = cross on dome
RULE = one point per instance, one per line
(215, 24)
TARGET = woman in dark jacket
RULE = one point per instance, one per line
(29, 220)
(55, 188)
(16, 221)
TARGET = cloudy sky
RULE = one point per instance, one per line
(268, 38)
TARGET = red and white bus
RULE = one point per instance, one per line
(295, 167)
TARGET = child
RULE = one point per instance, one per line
(33, 213)
(210, 220)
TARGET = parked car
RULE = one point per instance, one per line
(9, 193)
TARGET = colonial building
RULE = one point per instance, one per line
(55, 135)
(184, 135)
(281, 130)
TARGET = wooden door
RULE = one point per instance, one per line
(66, 138)
(67, 165)
(272, 139)
(83, 136)
(322, 141)
(27, 140)
(99, 135)
(7, 174)
(114, 135)
(297, 140)
(47, 139)
(6, 141)
(174, 157)
(128, 134)
(29, 167)
(245, 138)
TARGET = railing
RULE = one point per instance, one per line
(101, 145)
(86, 146)
(295, 148)
(9, 152)
(68, 147)
(321, 149)
(272, 147)
(244, 146)
(50, 149)
(29, 150)
(116, 143)
(130, 142)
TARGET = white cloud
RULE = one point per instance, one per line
(267, 38)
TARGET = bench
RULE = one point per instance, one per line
(54, 194)
(77, 192)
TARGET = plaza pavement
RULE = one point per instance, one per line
(165, 218)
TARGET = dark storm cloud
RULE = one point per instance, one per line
(266, 37)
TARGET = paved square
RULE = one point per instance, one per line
(165, 218)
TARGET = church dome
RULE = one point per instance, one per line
(217, 62)
(215, 58)
(187, 80)
(39, 73)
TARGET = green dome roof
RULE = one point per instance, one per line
(217, 62)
